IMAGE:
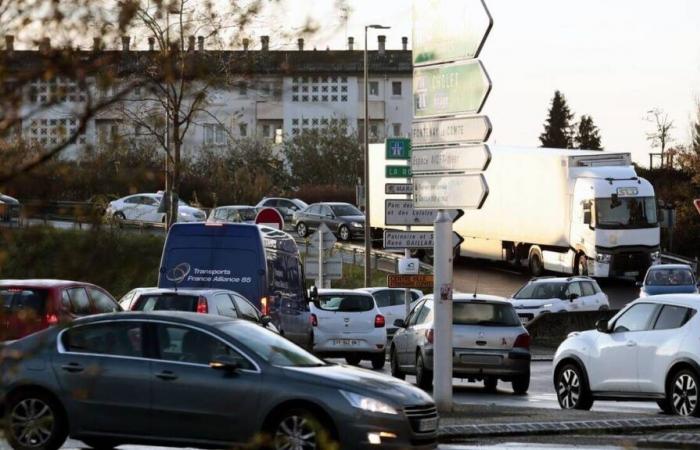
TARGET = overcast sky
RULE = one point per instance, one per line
(612, 59)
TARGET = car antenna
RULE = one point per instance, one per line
(476, 286)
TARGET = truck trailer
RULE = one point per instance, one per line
(567, 211)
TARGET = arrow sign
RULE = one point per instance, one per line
(449, 30)
(414, 239)
(398, 188)
(451, 159)
(398, 148)
(402, 212)
(697, 204)
(467, 191)
(473, 129)
(458, 88)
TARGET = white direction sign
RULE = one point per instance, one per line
(450, 191)
(451, 159)
(332, 268)
(414, 239)
(473, 129)
(398, 188)
(402, 212)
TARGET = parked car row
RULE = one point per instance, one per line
(10, 208)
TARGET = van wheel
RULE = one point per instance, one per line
(395, 367)
(378, 361)
(353, 360)
(582, 265)
(535, 263)
(424, 376)
(35, 421)
(302, 231)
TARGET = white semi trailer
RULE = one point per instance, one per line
(567, 211)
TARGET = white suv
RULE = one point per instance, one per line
(648, 351)
(348, 324)
(551, 295)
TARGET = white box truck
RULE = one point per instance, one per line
(568, 211)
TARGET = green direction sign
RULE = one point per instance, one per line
(446, 31)
(458, 88)
(398, 171)
(398, 148)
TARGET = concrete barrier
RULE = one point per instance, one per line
(549, 330)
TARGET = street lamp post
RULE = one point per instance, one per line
(368, 228)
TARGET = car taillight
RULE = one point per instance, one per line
(522, 341)
(51, 319)
(314, 320)
(379, 321)
(264, 306)
(202, 307)
(429, 335)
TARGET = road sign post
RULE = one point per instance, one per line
(442, 299)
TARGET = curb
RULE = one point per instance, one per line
(671, 440)
(456, 433)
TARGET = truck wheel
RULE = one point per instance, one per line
(535, 263)
(582, 265)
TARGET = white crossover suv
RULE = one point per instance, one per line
(348, 324)
(563, 294)
(648, 351)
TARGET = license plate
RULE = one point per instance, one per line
(427, 424)
(345, 342)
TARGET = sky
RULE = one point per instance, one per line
(613, 59)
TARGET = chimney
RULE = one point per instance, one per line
(45, 45)
(381, 41)
(265, 43)
(200, 43)
(125, 43)
(351, 43)
(151, 43)
(9, 43)
(96, 44)
(404, 42)
(246, 43)
(190, 43)
(300, 44)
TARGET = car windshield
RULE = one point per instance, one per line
(271, 347)
(670, 277)
(626, 212)
(29, 300)
(345, 303)
(540, 291)
(166, 302)
(487, 314)
(247, 213)
(345, 210)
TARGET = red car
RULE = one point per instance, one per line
(28, 306)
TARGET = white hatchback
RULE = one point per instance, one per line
(648, 351)
(348, 324)
(552, 295)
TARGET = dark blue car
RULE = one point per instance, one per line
(669, 279)
(260, 263)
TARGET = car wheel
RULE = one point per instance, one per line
(572, 388)
(300, 429)
(353, 360)
(535, 264)
(119, 218)
(665, 406)
(582, 265)
(35, 421)
(378, 361)
(521, 384)
(683, 393)
(344, 233)
(490, 384)
(302, 231)
(424, 376)
(395, 368)
(100, 444)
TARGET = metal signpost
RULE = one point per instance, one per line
(449, 88)
(324, 268)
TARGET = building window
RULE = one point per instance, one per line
(243, 129)
(295, 98)
(396, 88)
(214, 134)
(397, 129)
(266, 89)
(266, 130)
(107, 130)
(374, 130)
(374, 88)
(242, 88)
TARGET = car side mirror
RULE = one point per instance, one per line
(573, 297)
(265, 320)
(399, 323)
(602, 326)
(225, 363)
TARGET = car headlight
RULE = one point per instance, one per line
(548, 305)
(356, 224)
(603, 258)
(367, 403)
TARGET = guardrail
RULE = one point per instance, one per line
(670, 257)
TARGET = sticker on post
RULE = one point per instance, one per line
(446, 292)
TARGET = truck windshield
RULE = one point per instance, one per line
(626, 212)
